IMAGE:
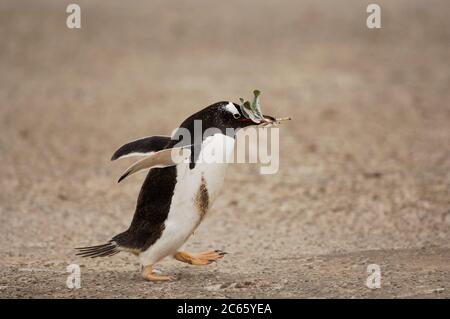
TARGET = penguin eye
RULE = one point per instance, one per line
(236, 115)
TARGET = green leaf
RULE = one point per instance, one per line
(252, 110)
(256, 108)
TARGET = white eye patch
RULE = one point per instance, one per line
(232, 109)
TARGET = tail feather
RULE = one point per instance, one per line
(108, 249)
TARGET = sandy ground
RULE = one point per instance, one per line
(365, 165)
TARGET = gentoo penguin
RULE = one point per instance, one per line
(177, 194)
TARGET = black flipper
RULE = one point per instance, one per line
(142, 146)
(164, 158)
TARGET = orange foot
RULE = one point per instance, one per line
(200, 259)
(148, 274)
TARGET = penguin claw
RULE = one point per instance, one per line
(221, 253)
(200, 259)
(150, 274)
(155, 277)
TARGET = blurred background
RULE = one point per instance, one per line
(364, 167)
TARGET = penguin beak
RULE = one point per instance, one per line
(267, 120)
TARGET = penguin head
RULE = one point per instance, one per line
(227, 115)
(231, 115)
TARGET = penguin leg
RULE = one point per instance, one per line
(148, 274)
(200, 259)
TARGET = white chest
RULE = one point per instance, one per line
(194, 193)
(210, 169)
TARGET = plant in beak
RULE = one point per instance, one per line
(252, 111)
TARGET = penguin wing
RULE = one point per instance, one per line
(142, 147)
(163, 158)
